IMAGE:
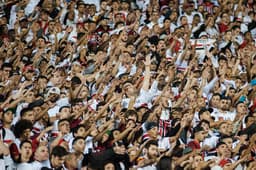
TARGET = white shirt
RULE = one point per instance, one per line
(31, 6)
(223, 115)
(38, 165)
(24, 166)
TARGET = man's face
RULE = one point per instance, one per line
(201, 135)
(241, 108)
(228, 142)
(37, 109)
(224, 128)
(29, 74)
(65, 113)
(26, 150)
(124, 36)
(154, 16)
(29, 116)
(26, 134)
(250, 121)
(79, 146)
(7, 71)
(224, 104)
(72, 161)
(41, 43)
(153, 132)
(64, 127)
(42, 153)
(8, 117)
(57, 161)
(215, 101)
(152, 152)
(80, 132)
(109, 166)
(223, 150)
(205, 115)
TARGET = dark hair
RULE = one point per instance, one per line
(21, 126)
(204, 121)
(75, 130)
(24, 111)
(6, 65)
(25, 141)
(247, 118)
(76, 139)
(152, 142)
(220, 143)
(131, 113)
(225, 137)
(59, 151)
(63, 107)
(63, 120)
(21, 144)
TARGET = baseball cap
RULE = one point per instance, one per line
(54, 90)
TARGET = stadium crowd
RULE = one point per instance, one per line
(127, 84)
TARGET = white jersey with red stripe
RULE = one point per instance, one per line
(7, 136)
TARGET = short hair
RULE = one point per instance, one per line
(6, 65)
(131, 113)
(247, 118)
(24, 111)
(76, 139)
(63, 120)
(151, 142)
(204, 121)
(63, 108)
(220, 143)
(59, 151)
(75, 130)
(21, 126)
(225, 137)
(25, 141)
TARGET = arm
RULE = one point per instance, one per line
(4, 149)
(146, 82)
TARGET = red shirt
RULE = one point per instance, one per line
(194, 145)
(222, 27)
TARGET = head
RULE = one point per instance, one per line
(23, 129)
(64, 112)
(28, 114)
(57, 156)
(215, 100)
(241, 108)
(199, 133)
(224, 129)
(204, 114)
(41, 153)
(6, 69)
(71, 161)
(222, 149)
(228, 140)
(7, 116)
(152, 149)
(64, 126)
(78, 144)
(79, 131)
(109, 166)
(224, 104)
(26, 151)
(152, 129)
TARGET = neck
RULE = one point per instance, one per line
(7, 125)
(24, 159)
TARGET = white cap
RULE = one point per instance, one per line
(53, 90)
